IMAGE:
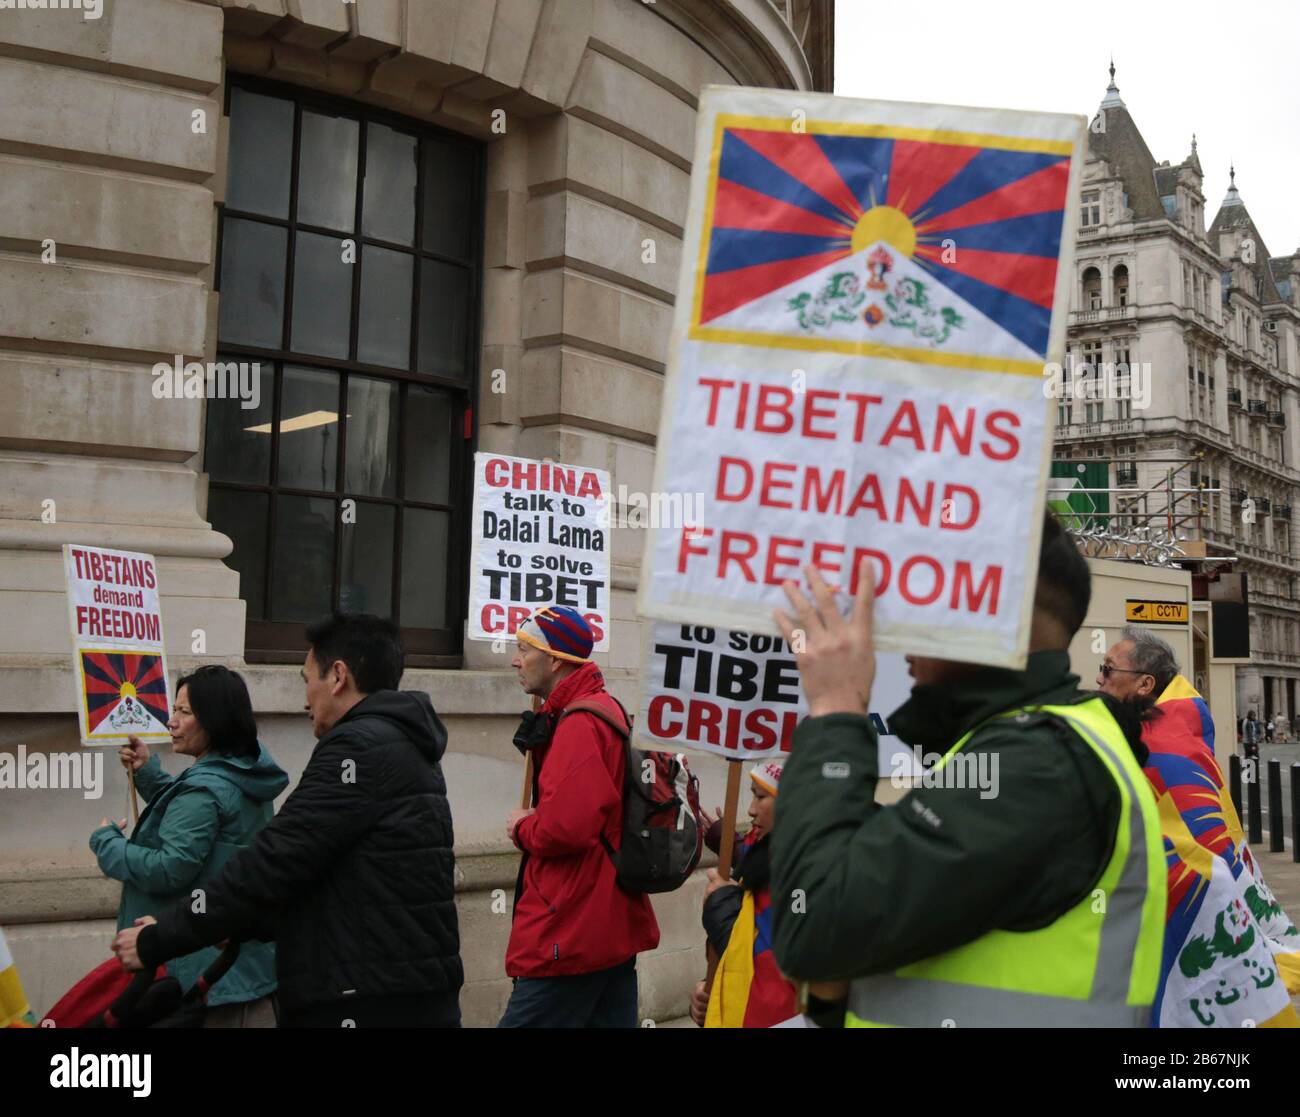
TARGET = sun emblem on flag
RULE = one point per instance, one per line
(124, 691)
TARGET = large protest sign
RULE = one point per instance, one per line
(869, 295)
(737, 695)
(117, 645)
(540, 537)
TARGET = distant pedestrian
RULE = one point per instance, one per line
(1251, 735)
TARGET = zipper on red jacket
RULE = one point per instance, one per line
(555, 951)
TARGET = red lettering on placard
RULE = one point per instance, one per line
(812, 411)
(905, 424)
(774, 400)
(1013, 443)
(715, 387)
(742, 468)
(689, 547)
(771, 576)
(860, 417)
(656, 716)
(905, 583)
(945, 422)
(703, 722)
(772, 484)
(963, 579)
(738, 547)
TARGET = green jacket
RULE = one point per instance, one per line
(860, 888)
(194, 824)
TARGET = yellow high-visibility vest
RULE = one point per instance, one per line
(1097, 965)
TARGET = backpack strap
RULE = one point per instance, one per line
(622, 729)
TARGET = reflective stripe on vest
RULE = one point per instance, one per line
(1003, 978)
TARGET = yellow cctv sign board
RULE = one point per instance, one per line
(1156, 612)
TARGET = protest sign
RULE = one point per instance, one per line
(540, 537)
(737, 695)
(117, 645)
(869, 295)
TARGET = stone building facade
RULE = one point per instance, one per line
(185, 181)
(1200, 303)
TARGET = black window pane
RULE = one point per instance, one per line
(242, 516)
(389, 207)
(372, 437)
(322, 296)
(238, 442)
(261, 147)
(447, 199)
(444, 318)
(428, 445)
(309, 429)
(366, 576)
(327, 171)
(302, 572)
(424, 568)
(384, 337)
(252, 283)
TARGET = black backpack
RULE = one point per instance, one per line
(662, 835)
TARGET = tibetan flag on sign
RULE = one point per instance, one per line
(15, 1012)
(1229, 946)
(869, 325)
(876, 241)
(125, 692)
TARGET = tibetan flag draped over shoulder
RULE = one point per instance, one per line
(15, 1012)
(1226, 951)
(749, 991)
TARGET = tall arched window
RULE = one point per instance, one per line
(349, 273)
(1091, 289)
(1119, 279)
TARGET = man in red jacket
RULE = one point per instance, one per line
(576, 934)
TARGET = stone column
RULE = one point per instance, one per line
(109, 139)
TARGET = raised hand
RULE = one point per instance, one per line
(836, 656)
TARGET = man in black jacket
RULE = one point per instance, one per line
(353, 878)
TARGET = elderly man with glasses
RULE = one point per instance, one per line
(1231, 955)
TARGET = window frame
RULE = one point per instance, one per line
(271, 641)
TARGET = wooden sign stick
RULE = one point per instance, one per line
(526, 795)
(726, 847)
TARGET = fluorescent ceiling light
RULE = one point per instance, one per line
(299, 422)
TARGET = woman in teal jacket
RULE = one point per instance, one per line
(193, 824)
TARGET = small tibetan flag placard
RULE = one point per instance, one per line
(872, 300)
(117, 645)
(1156, 612)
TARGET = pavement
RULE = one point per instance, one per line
(1287, 754)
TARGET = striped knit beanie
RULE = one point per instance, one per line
(558, 631)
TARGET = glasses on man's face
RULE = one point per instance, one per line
(1108, 668)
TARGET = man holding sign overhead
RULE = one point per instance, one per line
(1037, 902)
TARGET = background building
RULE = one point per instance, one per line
(380, 204)
(1216, 320)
